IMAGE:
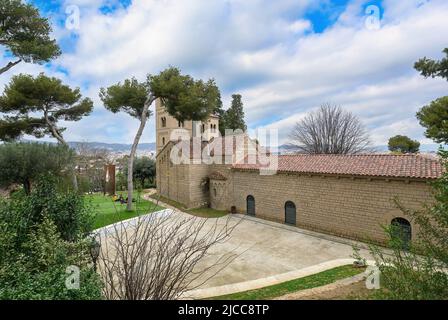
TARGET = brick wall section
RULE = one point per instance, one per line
(353, 208)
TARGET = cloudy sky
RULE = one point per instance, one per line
(285, 57)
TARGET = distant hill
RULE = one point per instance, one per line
(113, 147)
(116, 147)
(425, 148)
(151, 147)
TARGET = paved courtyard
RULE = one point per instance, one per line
(264, 249)
(263, 253)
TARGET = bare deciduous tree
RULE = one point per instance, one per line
(162, 256)
(330, 130)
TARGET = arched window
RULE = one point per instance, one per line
(402, 231)
(163, 120)
(163, 140)
(203, 128)
(250, 205)
(290, 213)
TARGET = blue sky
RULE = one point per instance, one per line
(285, 57)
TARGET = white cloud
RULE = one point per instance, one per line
(265, 50)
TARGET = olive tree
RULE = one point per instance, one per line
(24, 163)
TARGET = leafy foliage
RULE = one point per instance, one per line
(34, 105)
(129, 97)
(184, 97)
(403, 144)
(144, 171)
(25, 34)
(40, 236)
(36, 269)
(434, 117)
(23, 163)
(233, 118)
(68, 210)
(433, 68)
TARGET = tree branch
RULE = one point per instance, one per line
(9, 66)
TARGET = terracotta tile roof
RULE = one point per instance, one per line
(380, 165)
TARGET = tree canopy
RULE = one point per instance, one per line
(25, 34)
(433, 68)
(403, 144)
(183, 97)
(34, 105)
(129, 97)
(434, 117)
(144, 170)
(233, 118)
(24, 163)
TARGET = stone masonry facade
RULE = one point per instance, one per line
(350, 207)
(350, 196)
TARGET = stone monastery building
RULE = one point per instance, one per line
(345, 195)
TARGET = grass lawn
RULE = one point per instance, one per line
(313, 281)
(108, 212)
(199, 212)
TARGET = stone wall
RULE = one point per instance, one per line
(224, 188)
(348, 207)
(199, 196)
(172, 180)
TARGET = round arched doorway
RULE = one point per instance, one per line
(250, 205)
(290, 213)
(402, 231)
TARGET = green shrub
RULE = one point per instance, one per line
(68, 210)
(37, 269)
(41, 234)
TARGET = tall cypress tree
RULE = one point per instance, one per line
(233, 118)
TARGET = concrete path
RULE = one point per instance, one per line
(268, 253)
(263, 253)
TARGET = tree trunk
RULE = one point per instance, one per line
(27, 186)
(143, 119)
(61, 140)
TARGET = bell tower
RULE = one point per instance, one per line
(166, 124)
